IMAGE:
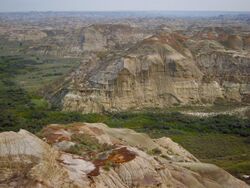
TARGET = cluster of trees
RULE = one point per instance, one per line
(18, 110)
(17, 106)
(177, 122)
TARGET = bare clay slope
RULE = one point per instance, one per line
(93, 155)
(160, 71)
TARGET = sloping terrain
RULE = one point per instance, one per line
(163, 70)
(134, 63)
(126, 64)
(93, 155)
(70, 41)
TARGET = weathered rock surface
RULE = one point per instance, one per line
(118, 158)
(71, 42)
(99, 37)
(137, 63)
(160, 71)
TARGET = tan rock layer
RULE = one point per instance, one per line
(134, 167)
(158, 72)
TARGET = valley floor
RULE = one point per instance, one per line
(221, 138)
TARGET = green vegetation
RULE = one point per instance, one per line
(162, 124)
(34, 72)
(155, 151)
(223, 139)
(20, 108)
(87, 146)
(228, 151)
(84, 144)
(108, 165)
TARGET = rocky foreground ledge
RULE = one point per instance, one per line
(93, 155)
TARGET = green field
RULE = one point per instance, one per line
(223, 140)
(33, 73)
(230, 152)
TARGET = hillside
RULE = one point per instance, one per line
(160, 71)
(93, 155)
(177, 79)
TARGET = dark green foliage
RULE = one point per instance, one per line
(160, 124)
(230, 152)
(20, 109)
(223, 140)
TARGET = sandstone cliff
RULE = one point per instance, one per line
(134, 64)
(160, 71)
(93, 155)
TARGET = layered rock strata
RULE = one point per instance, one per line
(118, 158)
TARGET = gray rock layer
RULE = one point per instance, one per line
(28, 162)
(158, 72)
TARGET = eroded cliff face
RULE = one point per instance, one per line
(70, 41)
(130, 66)
(93, 155)
(160, 71)
(99, 38)
(229, 69)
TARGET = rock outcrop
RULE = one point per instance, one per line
(99, 38)
(71, 42)
(93, 155)
(137, 63)
(160, 71)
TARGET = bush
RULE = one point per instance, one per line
(155, 151)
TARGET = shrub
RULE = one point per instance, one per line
(155, 151)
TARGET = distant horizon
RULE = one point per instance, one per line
(119, 6)
(44, 11)
(161, 12)
(127, 14)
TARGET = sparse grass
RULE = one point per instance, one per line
(87, 146)
(223, 140)
(239, 168)
(155, 151)
(108, 165)
(230, 152)
(87, 142)
(44, 71)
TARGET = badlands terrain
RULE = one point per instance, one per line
(177, 76)
(93, 155)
